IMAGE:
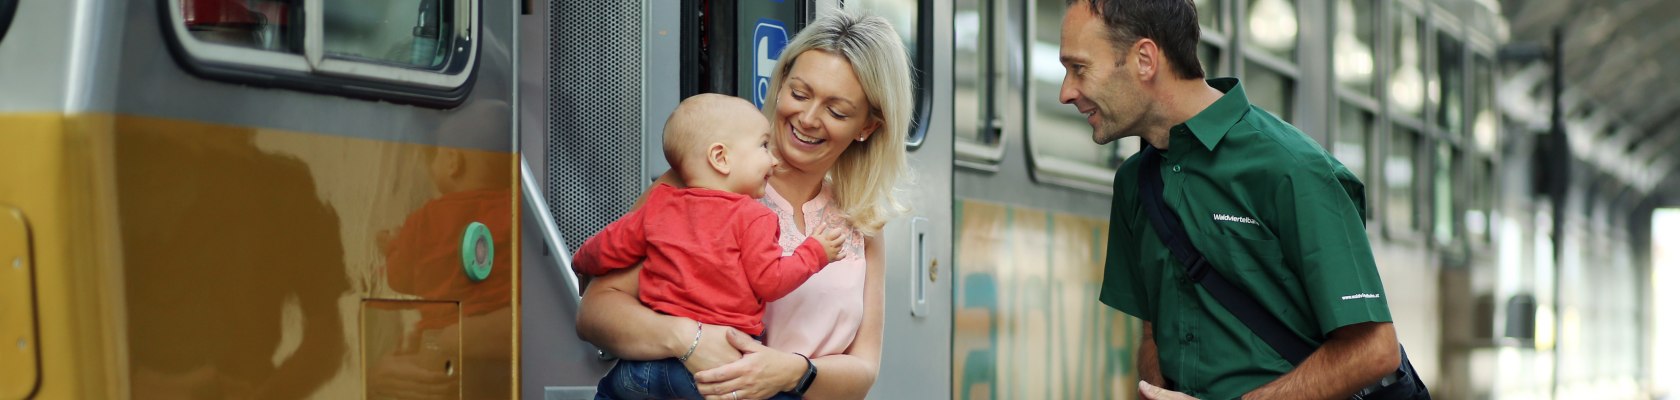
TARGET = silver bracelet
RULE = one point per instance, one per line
(691, 346)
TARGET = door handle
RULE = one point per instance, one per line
(922, 261)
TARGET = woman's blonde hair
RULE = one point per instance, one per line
(867, 174)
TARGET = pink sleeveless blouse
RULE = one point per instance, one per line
(822, 316)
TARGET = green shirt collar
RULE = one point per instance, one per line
(1210, 125)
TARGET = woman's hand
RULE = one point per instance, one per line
(760, 373)
(714, 348)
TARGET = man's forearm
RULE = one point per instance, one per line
(1353, 357)
(1148, 360)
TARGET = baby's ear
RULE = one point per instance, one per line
(717, 155)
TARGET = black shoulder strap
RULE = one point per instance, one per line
(1239, 303)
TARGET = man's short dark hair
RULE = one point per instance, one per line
(1172, 24)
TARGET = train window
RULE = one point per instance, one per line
(270, 25)
(1406, 80)
(1272, 27)
(1356, 32)
(978, 131)
(393, 32)
(1449, 78)
(1058, 136)
(911, 19)
(409, 51)
(1207, 11)
(1354, 128)
(1445, 210)
(1484, 123)
(425, 43)
(1398, 171)
(1269, 89)
(1487, 199)
(1478, 217)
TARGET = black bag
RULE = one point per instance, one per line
(1402, 384)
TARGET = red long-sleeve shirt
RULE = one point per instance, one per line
(710, 255)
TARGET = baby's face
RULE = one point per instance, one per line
(751, 157)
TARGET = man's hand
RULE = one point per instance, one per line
(1150, 392)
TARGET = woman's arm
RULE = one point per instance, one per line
(849, 375)
(611, 317)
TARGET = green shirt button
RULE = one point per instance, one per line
(1176, 168)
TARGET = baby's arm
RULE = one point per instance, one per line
(622, 244)
(831, 239)
(771, 275)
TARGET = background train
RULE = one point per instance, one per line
(287, 198)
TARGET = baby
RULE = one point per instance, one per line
(710, 249)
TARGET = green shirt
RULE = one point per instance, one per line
(1274, 213)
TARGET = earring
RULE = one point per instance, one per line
(861, 139)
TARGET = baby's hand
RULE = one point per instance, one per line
(831, 240)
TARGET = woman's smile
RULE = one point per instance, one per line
(801, 138)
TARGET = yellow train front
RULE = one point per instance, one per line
(258, 199)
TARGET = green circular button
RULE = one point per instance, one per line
(478, 251)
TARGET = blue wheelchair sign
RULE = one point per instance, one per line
(769, 38)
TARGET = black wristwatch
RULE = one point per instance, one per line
(805, 382)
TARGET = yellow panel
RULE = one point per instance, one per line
(1027, 322)
(404, 358)
(182, 260)
(280, 235)
(17, 298)
(56, 170)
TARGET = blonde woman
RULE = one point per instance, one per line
(839, 112)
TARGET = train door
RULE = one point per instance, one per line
(597, 81)
(917, 349)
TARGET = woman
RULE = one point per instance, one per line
(839, 113)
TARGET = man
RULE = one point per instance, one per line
(1273, 212)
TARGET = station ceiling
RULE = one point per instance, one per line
(1620, 57)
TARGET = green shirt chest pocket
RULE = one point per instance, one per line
(1258, 267)
(1241, 254)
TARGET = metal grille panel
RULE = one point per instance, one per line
(595, 114)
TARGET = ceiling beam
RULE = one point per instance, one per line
(1652, 112)
(1614, 23)
(1663, 141)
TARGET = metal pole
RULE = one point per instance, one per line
(1559, 191)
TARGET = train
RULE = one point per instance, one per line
(378, 199)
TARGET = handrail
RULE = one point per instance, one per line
(556, 242)
(550, 232)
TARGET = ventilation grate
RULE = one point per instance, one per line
(595, 114)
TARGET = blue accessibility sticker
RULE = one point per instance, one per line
(769, 38)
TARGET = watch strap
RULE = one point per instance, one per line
(805, 381)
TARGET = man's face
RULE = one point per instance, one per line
(1098, 82)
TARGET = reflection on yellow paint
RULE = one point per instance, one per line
(246, 252)
(1028, 323)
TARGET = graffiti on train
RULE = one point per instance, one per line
(1028, 323)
